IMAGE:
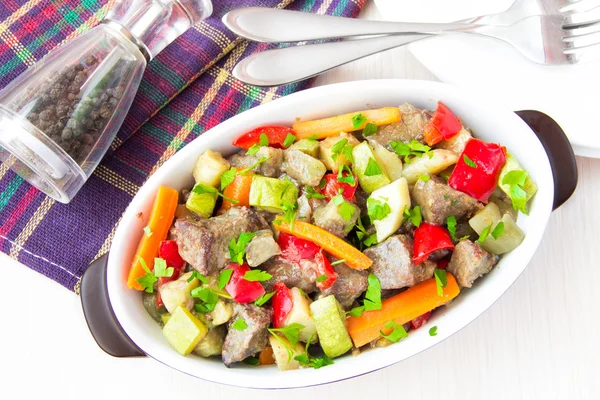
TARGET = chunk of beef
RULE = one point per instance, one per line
(438, 201)
(469, 262)
(350, 284)
(392, 263)
(271, 167)
(240, 345)
(302, 275)
(329, 218)
(408, 128)
(204, 243)
(261, 248)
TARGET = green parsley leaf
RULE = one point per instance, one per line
(337, 148)
(356, 311)
(311, 193)
(453, 203)
(398, 332)
(257, 276)
(338, 200)
(451, 222)
(414, 215)
(343, 260)
(237, 249)
(412, 148)
(289, 140)
(224, 277)
(197, 275)
(349, 178)
(263, 140)
(370, 240)
(306, 360)
(321, 278)
(147, 231)
(161, 269)
(433, 331)
(516, 180)
(228, 177)
(358, 120)
(346, 210)
(263, 299)
(441, 280)
(253, 150)
(147, 281)
(239, 324)
(415, 145)
(373, 294)
(498, 230)
(289, 212)
(424, 178)
(484, 233)
(369, 129)
(207, 297)
(377, 210)
(291, 332)
(469, 162)
(256, 164)
(201, 188)
(251, 361)
(373, 168)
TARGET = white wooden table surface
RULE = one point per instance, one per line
(539, 341)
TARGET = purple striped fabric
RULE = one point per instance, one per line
(186, 90)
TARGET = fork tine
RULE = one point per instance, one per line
(583, 54)
(576, 19)
(582, 30)
(577, 5)
(588, 39)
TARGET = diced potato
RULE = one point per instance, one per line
(212, 344)
(307, 146)
(209, 167)
(284, 353)
(183, 331)
(389, 161)
(363, 154)
(490, 214)
(397, 196)
(326, 155)
(221, 314)
(512, 237)
(425, 165)
(303, 168)
(300, 314)
(177, 293)
(332, 126)
(457, 143)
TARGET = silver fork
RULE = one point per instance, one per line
(569, 37)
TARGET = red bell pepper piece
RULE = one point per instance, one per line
(443, 125)
(420, 320)
(295, 249)
(443, 263)
(324, 268)
(241, 290)
(332, 186)
(282, 304)
(430, 238)
(169, 252)
(275, 134)
(478, 180)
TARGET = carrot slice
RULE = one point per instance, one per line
(265, 357)
(332, 244)
(161, 218)
(238, 190)
(401, 308)
(332, 126)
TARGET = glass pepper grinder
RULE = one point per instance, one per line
(59, 117)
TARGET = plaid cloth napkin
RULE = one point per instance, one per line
(186, 90)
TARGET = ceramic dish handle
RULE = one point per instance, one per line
(559, 151)
(99, 314)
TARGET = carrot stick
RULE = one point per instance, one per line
(401, 308)
(332, 244)
(265, 357)
(161, 218)
(238, 190)
(332, 126)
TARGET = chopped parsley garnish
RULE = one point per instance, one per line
(373, 168)
(373, 294)
(306, 360)
(413, 215)
(257, 276)
(197, 275)
(251, 361)
(228, 177)
(289, 140)
(453, 203)
(369, 129)
(208, 299)
(377, 209)
(349, 178)
(412, 148)
(364, 238)
(424, 178)
(291, 332)
(346, 210)
(451, 222)
(289, 212)
(311, 193)
(147, 231)
(161, 269)
(263, 299)
(358, 120)
(237, 249)
(147, 281)
(356, 311)
(433, 331)
(441, 280)
(263, 140)
(485, 233)
(469, 162)
(239, 324)
(337, 148)
(398, 332)
(321, 278)
(498, 230)
(252, 150)
(224, 277)
(343, 260)
(256, 164)
(516, 180)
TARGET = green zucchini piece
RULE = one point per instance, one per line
(269, 193)
(183, 331)
(363, 154)
(212, 344)
(149, 302)
(202, 204)
(307, 146)
(331, 326)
